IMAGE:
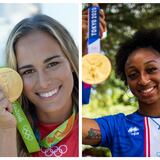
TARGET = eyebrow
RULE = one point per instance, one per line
(50, 58)
(150, 61)
(144, 63)
(45, 61)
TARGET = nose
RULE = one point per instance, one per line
(43, 79)
(144, 79)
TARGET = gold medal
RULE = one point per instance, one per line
(95, 68)
(11, 83)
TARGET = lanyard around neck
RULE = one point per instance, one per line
(58, 134)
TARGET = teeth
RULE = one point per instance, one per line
(147, 90)
(49, 94)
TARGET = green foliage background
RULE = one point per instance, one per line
(113, 96)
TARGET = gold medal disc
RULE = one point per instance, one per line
(11, 83)
(95, 68)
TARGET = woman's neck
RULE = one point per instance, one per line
(150, 109)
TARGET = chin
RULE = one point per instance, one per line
(50, 107)
(149, 101)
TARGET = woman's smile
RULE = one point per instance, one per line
(49, 94)
(148, 92)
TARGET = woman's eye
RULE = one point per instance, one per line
(30, 71)
(151, 70)
(52, 64)
(133, 76)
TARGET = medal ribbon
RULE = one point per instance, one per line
(59, 133)
(25, 129)
(93, 45)
(94, 38)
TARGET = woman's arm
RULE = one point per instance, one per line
(91, 134)
(8, 142)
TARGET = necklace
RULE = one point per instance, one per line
(156, 123)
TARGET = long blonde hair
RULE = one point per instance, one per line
(59, 33)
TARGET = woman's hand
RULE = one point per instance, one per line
(7, 120)
(8, 137)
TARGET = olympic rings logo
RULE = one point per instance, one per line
(27, 133)
(55, 151)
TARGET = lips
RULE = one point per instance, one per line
(147, 92)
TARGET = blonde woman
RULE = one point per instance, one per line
(46, 57)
